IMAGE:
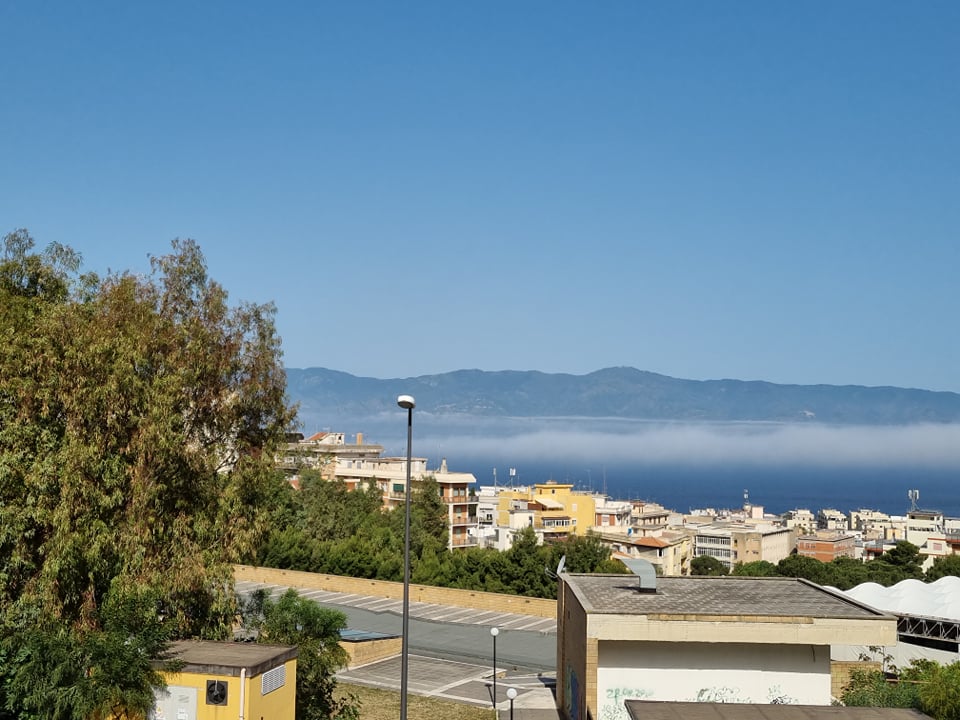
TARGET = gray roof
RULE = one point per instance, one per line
(227, 658)
(720, 596)
(647, 710)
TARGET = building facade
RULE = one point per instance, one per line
(725, 639)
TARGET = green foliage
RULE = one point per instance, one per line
(139, 419)
(928, 686)
(707, 565)
(869, 688)
(943, 566)
(56, 671)
(759, 568)
(329, 529)
(293, 620)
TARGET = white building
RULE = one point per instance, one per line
(707, 639)
(733, 543)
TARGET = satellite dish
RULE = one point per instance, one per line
(556, 575)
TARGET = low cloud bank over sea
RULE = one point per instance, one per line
(688, 465)
(936, 446)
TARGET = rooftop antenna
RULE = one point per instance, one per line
(494, 477)
(513, 475)
(746, 498)
(913, 496)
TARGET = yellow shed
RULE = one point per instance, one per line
(229, 681)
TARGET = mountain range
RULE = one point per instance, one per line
(330, 398)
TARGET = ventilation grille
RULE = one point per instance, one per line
(273, 679)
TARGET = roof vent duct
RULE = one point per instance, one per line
(645, 572)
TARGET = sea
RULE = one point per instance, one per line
(777, 489)
(688, 466)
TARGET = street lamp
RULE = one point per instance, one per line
(511, 696)
(494, 632)
(407, 403)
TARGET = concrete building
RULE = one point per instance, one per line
(362, 465)
(709, 639)
(611, 514)
(669, 552)
(555, 510)
(921, 524)
(641, 710)
(876, 525)
(733, 543)
(229, 680)
(832, 519)
(827, 546)
(801, 519)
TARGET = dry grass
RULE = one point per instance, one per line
(377, 704)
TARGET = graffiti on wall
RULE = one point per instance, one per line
(571, 694)
(611, 704)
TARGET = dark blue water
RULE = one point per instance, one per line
(777, 489)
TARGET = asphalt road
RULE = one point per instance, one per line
(466, 638)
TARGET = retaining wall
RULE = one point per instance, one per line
(498, 602)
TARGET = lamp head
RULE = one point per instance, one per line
(494, 631)
(406, 402)
(511, 693)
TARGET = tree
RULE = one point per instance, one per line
(708, 565)
(293, 620)
(905, 556)
(943, 566)
(139, 421)
(758, 568)
(801, 566)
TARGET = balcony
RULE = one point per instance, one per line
(464, 541)
(461, 520)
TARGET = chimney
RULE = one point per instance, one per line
(443, 465)
(359, 438)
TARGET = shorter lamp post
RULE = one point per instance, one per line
(511, 695)
(494, 632)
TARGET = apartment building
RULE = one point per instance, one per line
(876, 525)
(553, 509)
(670, 552)
(733, 543)
(832, 519)
(801, 519)
(921, 524)
(361, 465)
(827, 546)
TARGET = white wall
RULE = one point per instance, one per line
(710, 672)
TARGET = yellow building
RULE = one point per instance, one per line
(553, 509)
(221, 680)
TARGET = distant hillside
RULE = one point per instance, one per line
(327, 397)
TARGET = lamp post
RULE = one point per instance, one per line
(511, 696)
(494, 632)
(407, 403)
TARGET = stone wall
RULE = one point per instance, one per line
(841, 672)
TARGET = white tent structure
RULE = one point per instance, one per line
(928, 623)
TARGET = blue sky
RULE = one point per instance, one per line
(753, 190)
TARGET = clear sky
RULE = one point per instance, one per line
(753, 190)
